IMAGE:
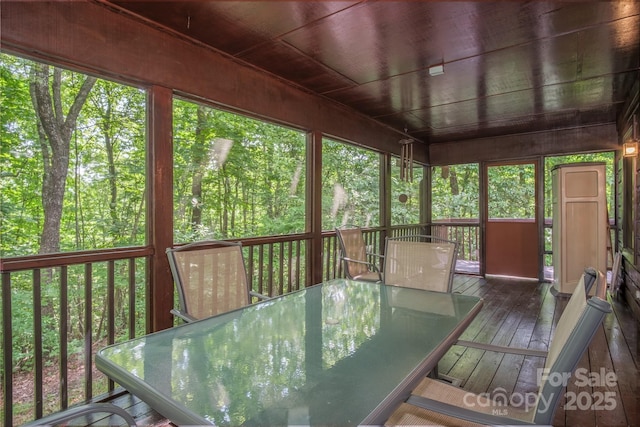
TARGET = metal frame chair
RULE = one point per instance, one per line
(434, 402)
(75, 412)
(210, 278)
(354, 255)
(420, 261)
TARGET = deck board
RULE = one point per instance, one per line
(521, 314)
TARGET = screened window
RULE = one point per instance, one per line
(456, 211)
(350, 185)
(235, 176)
(72, 160)
(511, 192)
(406, 195)
(455, 191)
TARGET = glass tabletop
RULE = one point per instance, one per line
(327, 355)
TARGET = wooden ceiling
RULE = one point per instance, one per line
(509, 67)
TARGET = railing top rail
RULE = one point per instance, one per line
(265, 240)
(59, 259)
(464, 222)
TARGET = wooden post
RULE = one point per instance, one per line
(314, 207)
(160, 207)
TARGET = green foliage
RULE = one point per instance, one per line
(20, 163)
(406, 196)
(455, 191)
(511, 190)
(235, 176)
(103, 205)
(350, 186)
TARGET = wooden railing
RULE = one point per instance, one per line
(58, 309)
(276, 265)
(466, 233)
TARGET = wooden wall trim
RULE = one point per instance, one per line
(90, 36)
(631, 288)
(585, 139)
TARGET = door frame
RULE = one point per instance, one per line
(538, 162)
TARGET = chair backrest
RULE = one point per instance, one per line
(353, 247)
(420, 261)
(575, 329)
(210, 277)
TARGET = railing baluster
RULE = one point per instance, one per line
(88, 336)
(111, 290)
(7, 346)
(281, 266)
(249, 260)
(132, 298)
(289, 255)
(64, 327)
(270, 270)
(260, 270)
(37, 332)
(298, 272)
(111, 299)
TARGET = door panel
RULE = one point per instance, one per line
(512, 236)
(512, 248)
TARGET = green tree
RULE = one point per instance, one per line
(55, 131)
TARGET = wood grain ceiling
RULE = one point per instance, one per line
(509, 67)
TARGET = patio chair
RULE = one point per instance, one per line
(210, 278)
(354, 255)
(434, 402)
(420, 261)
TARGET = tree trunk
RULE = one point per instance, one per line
(107, 124)
(55, 133)
(199, 156)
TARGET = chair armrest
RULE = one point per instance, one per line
(463, 413)
(183, 316)
(258, 295)
(502, 349)
(357, 261)
(81, 411)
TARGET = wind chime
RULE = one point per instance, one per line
(406, 159)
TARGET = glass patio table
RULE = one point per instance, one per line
(339, 353)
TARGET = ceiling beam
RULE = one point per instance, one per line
(521, 146)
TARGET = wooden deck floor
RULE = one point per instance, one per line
(524, 313)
